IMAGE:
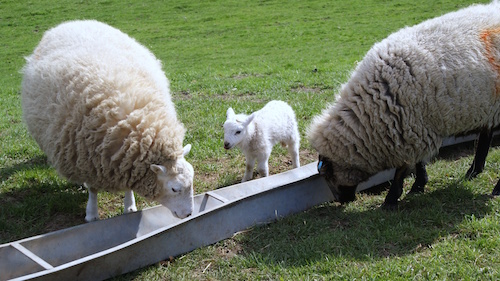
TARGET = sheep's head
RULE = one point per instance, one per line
(177, 185)
(235, 128)
(341, 180)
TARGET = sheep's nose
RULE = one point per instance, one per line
(226, 145)
(182, 215)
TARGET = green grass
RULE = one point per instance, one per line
(242, 54)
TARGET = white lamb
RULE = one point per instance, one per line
(98, 104)
(256, 134)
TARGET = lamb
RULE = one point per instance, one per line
(256, 134)
(421, 84)
(98, 104)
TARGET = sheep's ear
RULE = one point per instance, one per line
(230, 113)
(158, 169)
(186, 149)
(249, 119)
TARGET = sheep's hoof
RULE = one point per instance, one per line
(416, 190)
(495, 192)
(131, 209)
(471, 173)
(91, 218)
(389, 207)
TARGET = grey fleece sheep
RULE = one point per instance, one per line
(419, 85)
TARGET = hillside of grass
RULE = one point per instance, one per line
(242, 54)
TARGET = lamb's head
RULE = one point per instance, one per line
(342, 180)
(235, 128)
(177, 185)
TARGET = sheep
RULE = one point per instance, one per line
(256, 134)
(420, 84)
(98, 104)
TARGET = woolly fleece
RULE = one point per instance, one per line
(417, 86)
(98, 104)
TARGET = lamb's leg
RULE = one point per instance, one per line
(483, 145)
(293, 149)
(263, 166)
(92, 213)
(421, 178)
(129, 202)
(396, 189)
(250, 162)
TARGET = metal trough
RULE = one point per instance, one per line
(114, 246)
(107, 248)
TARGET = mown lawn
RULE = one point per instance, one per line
(243, 54)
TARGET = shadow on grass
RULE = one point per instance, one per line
(35, 162)
(341, 231)
(38, 202)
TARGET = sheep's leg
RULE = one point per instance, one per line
(129, 202)
(496, 190)
(421, 178)
(92, 213)
(483, 145)
(396, 189)
(293, 149)
(250, 162)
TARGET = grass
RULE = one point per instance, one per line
(242, 54)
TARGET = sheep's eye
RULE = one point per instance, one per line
(238, 132)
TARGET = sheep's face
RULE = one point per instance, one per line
(177, 186)
(235, 128)
(342, 181)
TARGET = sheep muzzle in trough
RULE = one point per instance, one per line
(341, 193)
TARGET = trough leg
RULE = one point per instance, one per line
(396, 189)
(483, 145)
(421, 178)
(92, 213)
(129, 202)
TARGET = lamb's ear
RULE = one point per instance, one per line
(158, 169)
(248, 120)
(230, 113)
(186, 150)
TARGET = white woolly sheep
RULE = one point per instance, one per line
(256, 134)
(98, 104)
(421, 84)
